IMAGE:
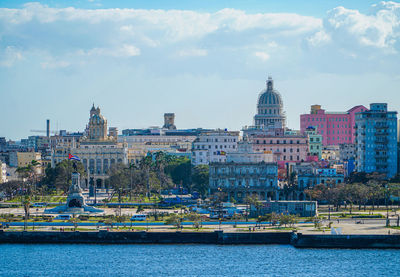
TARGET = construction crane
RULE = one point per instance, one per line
(47, 131)
(44, 131)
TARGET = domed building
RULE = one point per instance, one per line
(97, 127)
(270, 114)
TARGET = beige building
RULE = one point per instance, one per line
(26, 158)
(98, 151)
(141, 145)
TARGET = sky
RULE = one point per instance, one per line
(206, 61)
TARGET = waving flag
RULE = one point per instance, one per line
(74, 158)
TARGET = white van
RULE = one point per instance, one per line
(138, 217)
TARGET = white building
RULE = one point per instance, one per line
(213, 146)
(3, 172)
(245, 154)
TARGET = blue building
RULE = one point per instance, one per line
(376, 140)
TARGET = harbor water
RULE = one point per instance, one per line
(192, 260)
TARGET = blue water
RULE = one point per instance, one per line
(193, 260)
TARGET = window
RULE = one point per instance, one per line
(98, 166)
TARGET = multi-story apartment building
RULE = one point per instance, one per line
(377, 140)
(140, 145)
(314, 142)
(26, 158)
(286, 148)
(348, 151)
(213, 146)
(335, 127)
(312, 176)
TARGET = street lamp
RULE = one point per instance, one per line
(329, 203)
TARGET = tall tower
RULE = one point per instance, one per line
(270, 112)
(169, 121)
(48, 128)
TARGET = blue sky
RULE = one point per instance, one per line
(204, 60)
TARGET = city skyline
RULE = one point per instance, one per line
(205, 65)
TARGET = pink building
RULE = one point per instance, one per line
(335, 127)
(288, 148)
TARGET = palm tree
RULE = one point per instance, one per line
(145, 165)
(27, 204)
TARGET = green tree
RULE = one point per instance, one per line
(200, 179)
(60, 177)
(175, 220)
(179, 169)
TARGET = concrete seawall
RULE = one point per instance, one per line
(218, 237)
(104, 237)
(346, 241)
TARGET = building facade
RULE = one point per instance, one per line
(99, 151)
(26, 158)
(376, 140)
(3, 172)
(314, 142)
(318, 176)
(213, 146)
(335, 127)
(299, 208)
(347, 151)
(286, 148)
(239, 180)
(245, 173)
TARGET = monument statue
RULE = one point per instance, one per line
(75, 201)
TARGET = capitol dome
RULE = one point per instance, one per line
(270, 108)
(270, 96)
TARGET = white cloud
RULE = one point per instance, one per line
(227, 40)
(55, 64)
(262, 55)
(319, 38)
(9, 56)
(120, 52)
(192, 53)
(380, 29)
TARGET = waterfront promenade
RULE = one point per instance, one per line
(348, 225)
